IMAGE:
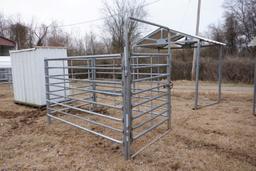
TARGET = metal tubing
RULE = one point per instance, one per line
(93, 71)
(197, 75)
(150, 143)
(148, 66)
(220, 72)
(147, 22)
(88, 120)
(104, 56)
(147, 111)
(47, 89)
(84, 67)
(91, 102)
(149, 129)
(169, 62)
(88, 111)
(85, 129)
(148, 54)
(90, 90)
(149, 89)
(149, 78)
(149, 100)
(85, 80)
(127, 112)
(254, 90)
(146, 121)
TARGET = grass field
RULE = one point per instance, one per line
(218, 137)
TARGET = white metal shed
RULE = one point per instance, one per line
(28, 72)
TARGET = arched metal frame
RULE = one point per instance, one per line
(180, 40)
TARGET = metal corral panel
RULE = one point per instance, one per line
(28, 73)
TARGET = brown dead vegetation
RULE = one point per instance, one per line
(219, 137)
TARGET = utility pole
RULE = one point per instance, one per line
(197, 31)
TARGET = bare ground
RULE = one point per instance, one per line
(218, 137)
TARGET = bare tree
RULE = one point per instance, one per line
(107, 44)
(117, 12)
(19, 32)
(56, 36)
(216, 32)
(90, 43)
(41, 35)
(245, 14)
(3, 25)
(231, 33)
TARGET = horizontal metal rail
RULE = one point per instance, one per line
(86, 129)
(147, 111)
(148, 66)
(149, 89)
(69, 101)
(149, 100)
(85, 67)
(62, 75)
(88, 57)
(151, 119)
(91, 90)
(90, 102)
(87, 120)
(85, 80)
(87, 111)
(144, 97)
(150, 78)
(149, 54)
(150, 143)
(149, 129)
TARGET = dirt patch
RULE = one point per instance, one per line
(229, 152)
(218, 137)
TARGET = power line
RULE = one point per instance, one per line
(102, 18)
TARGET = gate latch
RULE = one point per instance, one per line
(170, 85)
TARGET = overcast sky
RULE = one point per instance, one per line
(177, 14)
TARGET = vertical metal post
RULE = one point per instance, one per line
(93, 72)
(197, 73)
(254, 91)
(158, 68)
(133, 76)
(151, 92)
(47, 89)
(169, 71)
(220, 72)
(127, 107)
(64, 78)
(72, 69)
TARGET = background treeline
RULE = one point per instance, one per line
(237, 29)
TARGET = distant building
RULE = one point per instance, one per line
(6, 45)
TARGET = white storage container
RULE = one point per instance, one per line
(28, 72)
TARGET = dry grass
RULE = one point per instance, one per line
(220, 137)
